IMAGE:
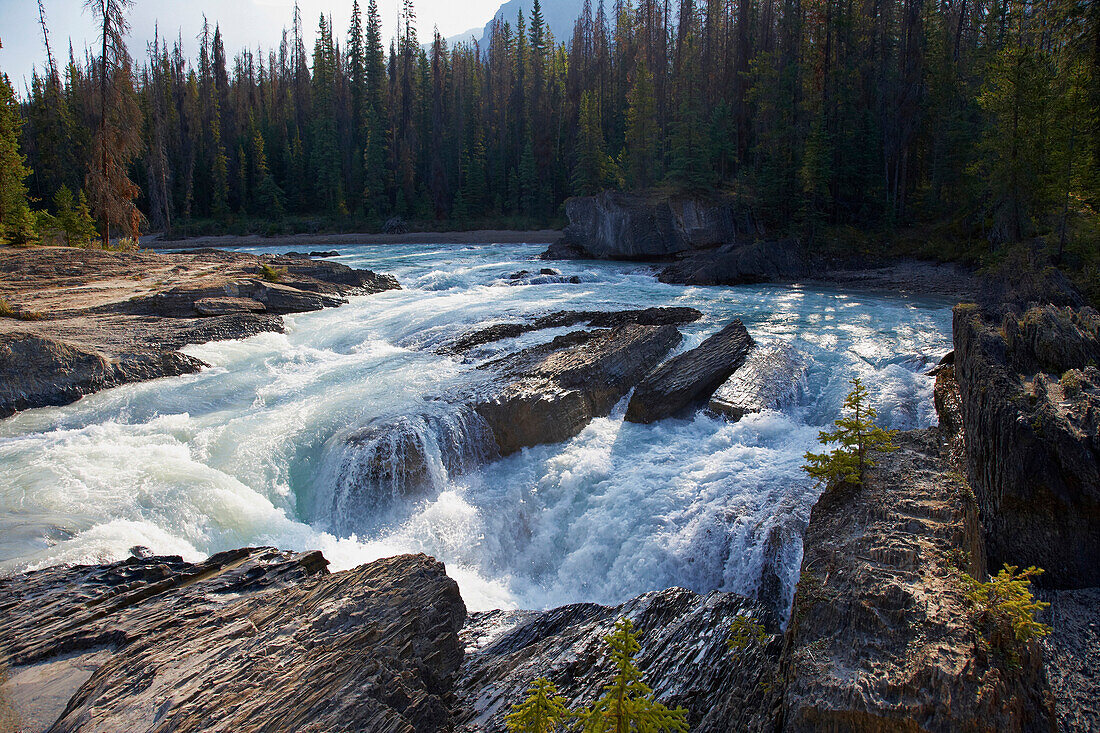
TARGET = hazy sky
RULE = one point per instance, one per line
(243, 22)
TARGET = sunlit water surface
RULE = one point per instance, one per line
(251, 450)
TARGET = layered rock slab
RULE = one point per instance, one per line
(684, 657)
(249, 640)
(549, 393)
(881, 636)
(690, 377)
(771, 377)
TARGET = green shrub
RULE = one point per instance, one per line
(857, 436)
(7, 311)
(272, 274)
(1006, 608)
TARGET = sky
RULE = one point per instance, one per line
(243, 23)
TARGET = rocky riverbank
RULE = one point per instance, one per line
(716, 240)
(84, 320)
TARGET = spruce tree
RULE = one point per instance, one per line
(641, 130)
(594, 168)
(544, 711)
(856, 437)
(627, 703)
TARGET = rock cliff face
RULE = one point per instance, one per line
(249, 640)
(690, 377)
(880, 637)
(684, 657)
(740, 263)
(1030, 396)
(621, 226)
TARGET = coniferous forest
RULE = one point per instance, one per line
(974, 119)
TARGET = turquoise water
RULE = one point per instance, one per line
(254, 450)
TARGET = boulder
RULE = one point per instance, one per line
(1030, 403)
(395, 225)
(740, 263)
(248, 640)
(36, 371)
(684, 657)
(549, 393)
(690, 377)
(882, 636)
(675, 316)
(622, 226)
(771, 377)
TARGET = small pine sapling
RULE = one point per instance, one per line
(856, 436)
(1006, 607)
(627, 703)
(744, 632)
(544, 710)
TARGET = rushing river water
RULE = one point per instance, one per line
(253, 450)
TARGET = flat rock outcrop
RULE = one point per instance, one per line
(690, 377)
(771, 377)
(881, 636)
(674, 316)
(249, 640)
(99, 319)
(684, 657)
(549, 393)
(1030, 396)
(622, 226)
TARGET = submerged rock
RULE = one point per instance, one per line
(684, 657)
(771, 378)
(1030, 403)
(690, 377)
(549, 393)
(403, 458)
(248, 640)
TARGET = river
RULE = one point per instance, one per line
(255, 449)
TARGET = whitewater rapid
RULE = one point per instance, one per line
(252, 451)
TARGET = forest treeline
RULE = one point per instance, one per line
(979, 115)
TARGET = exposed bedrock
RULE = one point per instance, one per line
(684, 657)
(1030, 399)
(102, 319)
(675, 316)
(36, 371)
(773, 376)
(691, 377)
(621, 226)
(249, 640)
(881, 636)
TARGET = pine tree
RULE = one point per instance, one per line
(857, 437)
(16, 221)
(627, 703)
(544, 711)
